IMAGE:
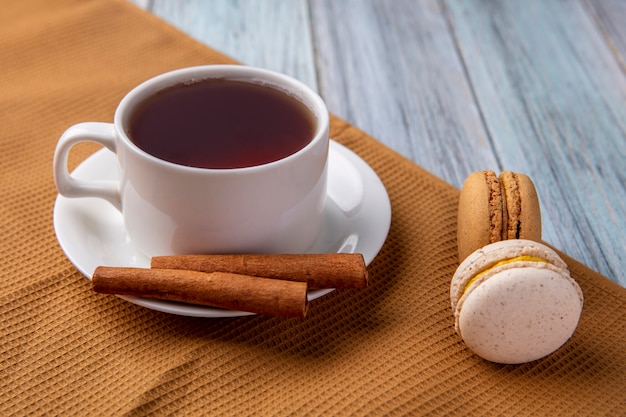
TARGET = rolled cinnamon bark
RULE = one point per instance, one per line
(217, 289)
(332, 270)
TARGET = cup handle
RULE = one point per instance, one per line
(67, 185)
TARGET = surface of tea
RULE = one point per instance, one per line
(217, 123)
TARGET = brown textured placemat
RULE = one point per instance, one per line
(387, 350)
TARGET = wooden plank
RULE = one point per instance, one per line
(610, 16)
(392, 69)
(554, 101)
(271, 34)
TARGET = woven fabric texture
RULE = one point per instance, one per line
(388, 350)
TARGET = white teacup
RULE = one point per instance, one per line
(168, 208)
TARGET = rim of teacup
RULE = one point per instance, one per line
(273, 79)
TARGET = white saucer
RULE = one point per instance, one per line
(91, 231)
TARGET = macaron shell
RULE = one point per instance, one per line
(519, 314)
(479, 218)
(523, 214)
(530, 213)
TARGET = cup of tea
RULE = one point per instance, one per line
(212, 159)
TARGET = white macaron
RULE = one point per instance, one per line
(514, 301)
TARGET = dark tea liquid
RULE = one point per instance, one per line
(217, 123)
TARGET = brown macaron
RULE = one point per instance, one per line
(494, 208)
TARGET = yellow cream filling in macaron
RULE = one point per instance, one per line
(526, 258)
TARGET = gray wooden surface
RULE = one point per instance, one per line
(535, 86)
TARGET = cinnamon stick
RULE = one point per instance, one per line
(217, 289)
(333, 270)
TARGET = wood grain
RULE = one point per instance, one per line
(392, 69)
(537, 87)
(270, 34)
(610, 16)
